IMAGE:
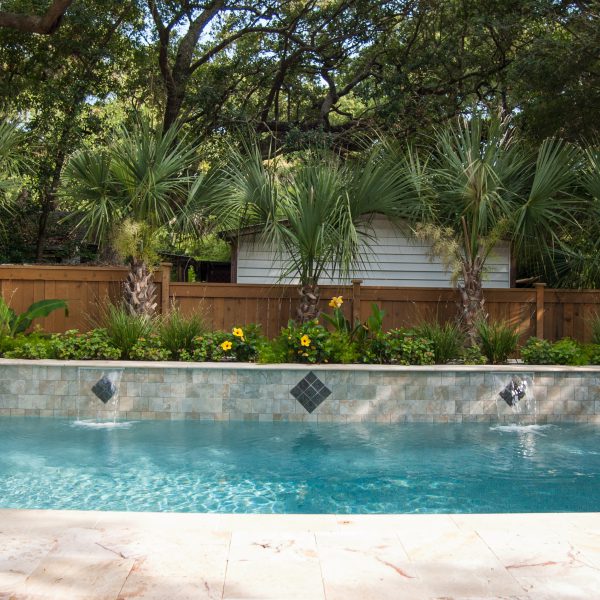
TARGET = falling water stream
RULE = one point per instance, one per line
(515, 402)
(98, 398)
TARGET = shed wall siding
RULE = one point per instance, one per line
(394, 259)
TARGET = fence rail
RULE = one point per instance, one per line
(535, 311)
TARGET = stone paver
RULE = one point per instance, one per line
(73, 555)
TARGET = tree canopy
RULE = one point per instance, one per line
(291, 73)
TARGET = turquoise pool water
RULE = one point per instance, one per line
(298, 468)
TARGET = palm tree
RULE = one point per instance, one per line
(12, 161)
(124, 193)
(576, 264)
(481, 185)
(317, 215)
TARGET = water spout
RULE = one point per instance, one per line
(515, 401)
(98, 397)
(514, 391)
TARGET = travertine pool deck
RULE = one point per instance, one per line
(94, 555)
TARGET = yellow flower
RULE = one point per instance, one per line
(305, 340)
(237, 331)
(336, 302)
(226, 345)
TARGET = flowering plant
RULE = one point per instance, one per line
(305, 343)
(75, 345)
(337, 319)
(149, 348)
(336, 302)
(239, 345)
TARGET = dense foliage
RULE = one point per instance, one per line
(187, 338)
(291, 74)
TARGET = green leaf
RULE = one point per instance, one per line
(37, 310)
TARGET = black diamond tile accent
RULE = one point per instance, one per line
(303, 385)
(311, 378)
(310, 392)
(105, 388)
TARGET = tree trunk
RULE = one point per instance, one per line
(48, 199)
(175, 96)
(308, 308)
(139, 290)
(472, 300)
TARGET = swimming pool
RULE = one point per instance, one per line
(250, 467)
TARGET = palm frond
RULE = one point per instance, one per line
(551, 206)
(12, 161)
(144, 175)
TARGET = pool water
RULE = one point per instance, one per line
(243, 467)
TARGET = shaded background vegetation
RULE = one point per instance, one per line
(292, 73)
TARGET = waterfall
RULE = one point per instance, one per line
(515, 401)
(98, 396)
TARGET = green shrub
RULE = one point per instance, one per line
(410, 348)
(398, 347)
(340, 348)
(124, 329)
(563, 352)
(241, 345)
(245, 346)
(177, 332)
(472, 355)
(306, 342)
(498, 340)
(150, 348)
(592, 352)
(568, 352)
(272, 352)
(204, 347)
(537, 352)
(93, 345)
(448, 340)
(376, 350)
(7, 344)
(34, 346)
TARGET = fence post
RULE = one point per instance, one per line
(356, 299)
(539, 310)
(165, 269)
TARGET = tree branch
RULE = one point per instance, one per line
(44, 25)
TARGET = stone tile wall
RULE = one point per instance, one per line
(256, 392)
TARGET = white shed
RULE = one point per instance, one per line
(394, 259)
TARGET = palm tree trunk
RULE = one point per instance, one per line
(140, 290)
(308, 308)
(472, 300)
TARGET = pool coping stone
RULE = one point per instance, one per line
(123, 364)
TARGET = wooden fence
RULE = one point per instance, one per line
(536, 311)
